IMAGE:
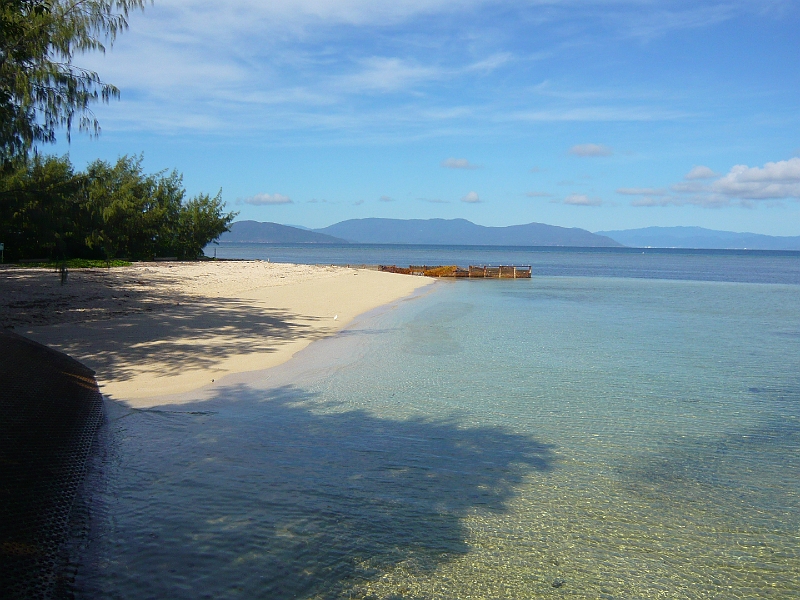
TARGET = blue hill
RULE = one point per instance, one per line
(699, 237)
(460, 232)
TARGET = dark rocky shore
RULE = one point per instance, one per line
(51, 409)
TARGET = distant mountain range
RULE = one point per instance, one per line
(460, 232)
(698, 237)
(417, 231)
(463, 232)
(273, 233)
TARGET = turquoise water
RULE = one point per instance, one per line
(582, 437)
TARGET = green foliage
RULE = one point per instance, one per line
(49, 211)
(42, 201)
(40, 88)
(133, 212)
(201, 220)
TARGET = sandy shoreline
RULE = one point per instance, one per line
(159, 329)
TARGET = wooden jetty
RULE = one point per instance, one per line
(482, 272)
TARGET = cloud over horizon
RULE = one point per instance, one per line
(641, 191)
(700, 172)
(590, 150)
(267, 199)
(741, 186)
(459, 163)
(582, 200)
(471, 198)
(774, 181)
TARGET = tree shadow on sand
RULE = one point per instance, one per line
(184, 337)
(121, 326)
(256, 494)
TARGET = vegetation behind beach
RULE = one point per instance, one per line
(52, 211)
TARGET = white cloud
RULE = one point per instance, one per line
(700, 172)
(471, 198)
(773, 181)
(648, 24)
(642, 19)
(392, 74)
(648, 201)
(641, 192)
(384, 74)
(693, 187)
(593, 114)
(459, 163)
(586, 150)
(582, 200)
(491, 63)
(741, 186)
(704, 201)
(354, 12)
(267, 199)
(386, 199)
(538, 195)
(249, 66)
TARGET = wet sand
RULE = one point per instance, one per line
(159, 329)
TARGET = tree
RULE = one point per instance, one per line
(143, 216)
(133, 214)
(40, 87)
(43, 212)
(109, 211)
(201, 221)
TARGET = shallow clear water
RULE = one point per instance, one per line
(581, 437)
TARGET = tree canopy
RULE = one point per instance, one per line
(109, 211)
(41, 89)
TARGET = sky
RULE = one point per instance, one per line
(599, 114)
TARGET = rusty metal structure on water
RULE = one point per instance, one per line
(483, 272)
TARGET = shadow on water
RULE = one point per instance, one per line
(751, 467)
(259, 494)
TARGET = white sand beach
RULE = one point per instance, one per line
(157, 329)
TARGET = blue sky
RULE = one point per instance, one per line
(601, 114)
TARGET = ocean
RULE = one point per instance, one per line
(624, 424)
